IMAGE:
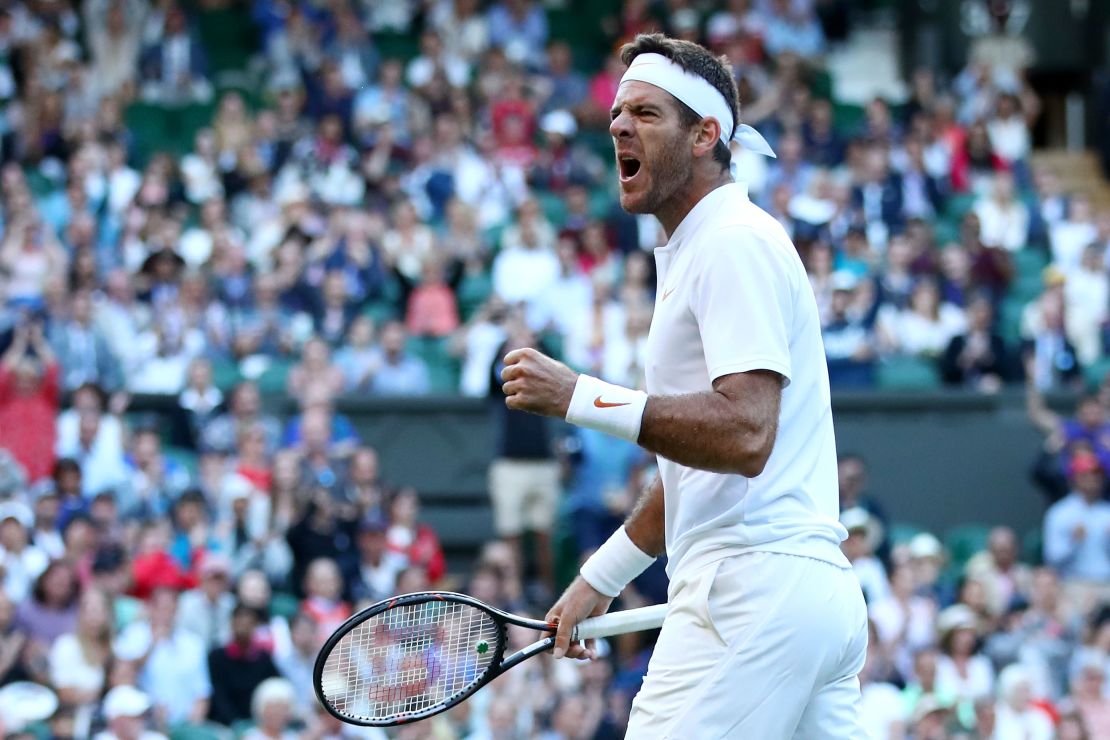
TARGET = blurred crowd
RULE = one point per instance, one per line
(219, 200)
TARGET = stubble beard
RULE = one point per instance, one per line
(669, 172)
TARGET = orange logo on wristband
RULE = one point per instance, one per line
(606, 405)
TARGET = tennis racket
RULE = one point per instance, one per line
(414, 656)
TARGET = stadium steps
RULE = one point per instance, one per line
(1078, 172)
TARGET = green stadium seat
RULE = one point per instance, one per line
(273, 380)
(185, 458)
(225, 374)
(946, 231)
(965, 540)
(1032, 547)
(1009, 320)
(554, 208)
(381, 311)
(958, 206)
(908, 373)
(847, 118)
(443, 369)
(240, 727)
(1030, 262)
(473, 291)
(401, 46)
(206, 731)
(228, 36)
(1096, 371)
(284, 605)
(900, 533)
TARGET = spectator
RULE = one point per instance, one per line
(315, 368)
(244, 410)
(374, 575)
(238, 669)
(1077, 528)
(1088, 696)
(526, 264)
(82, 350)
(1087, 299)
(793, 29)
(413, 539)
(172, 669)
(864, 535)
(432, 310)
(1070, 236)
(1016, 715)
(206, 611)
(174, 70)
(357, 357)
(79, 660)
(124, 710)
(518, 27)
(848, 339)
(29, 401)
(1005, 578)
(978, 357)
(271, 709)
(926, 327)
(296, 663)
(1003, 219)
(323, 587)
(22, 561)
(398, 373)
(904, 621)
(962, 672)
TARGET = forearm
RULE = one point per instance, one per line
(710, 431)
(645, 524)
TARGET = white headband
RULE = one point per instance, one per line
(698, 94)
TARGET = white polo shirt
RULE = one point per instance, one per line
(732, 297)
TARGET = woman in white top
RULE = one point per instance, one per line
(79, 659)
(962, 672)
(924, 328)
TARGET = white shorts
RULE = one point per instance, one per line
(760, 646)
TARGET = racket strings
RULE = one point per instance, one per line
(408, 659)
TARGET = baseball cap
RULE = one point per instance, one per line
(125, 701)
(925, 545)
(859, 519)
(559, 122)
(955, 617)
(1084, 462)
(373, 522)
(18, 511)
(844, 280)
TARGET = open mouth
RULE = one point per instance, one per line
(629, 166)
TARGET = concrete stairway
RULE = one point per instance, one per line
(1079, 172)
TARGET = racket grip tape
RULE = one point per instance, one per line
(618, 623)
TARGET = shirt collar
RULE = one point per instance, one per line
(704, 208)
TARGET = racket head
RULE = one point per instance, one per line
(408, 658)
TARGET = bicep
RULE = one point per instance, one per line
(754, 396)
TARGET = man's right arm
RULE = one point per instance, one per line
(644, 527)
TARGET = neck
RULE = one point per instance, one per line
(671, 213)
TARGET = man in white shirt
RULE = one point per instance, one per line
(766, 628)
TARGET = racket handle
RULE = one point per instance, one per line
(618, 623)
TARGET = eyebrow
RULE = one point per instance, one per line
(634, 108)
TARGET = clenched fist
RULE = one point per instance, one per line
(534, 382)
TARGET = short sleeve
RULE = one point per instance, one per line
(743, 300)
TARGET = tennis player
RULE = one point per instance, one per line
(766, 624)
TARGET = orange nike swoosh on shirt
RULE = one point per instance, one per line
(666, 294)
(607, 405)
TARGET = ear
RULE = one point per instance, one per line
(708, 133)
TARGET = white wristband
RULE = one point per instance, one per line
(615, 564)
(607, 408)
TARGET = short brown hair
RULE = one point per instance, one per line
(696, 60)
